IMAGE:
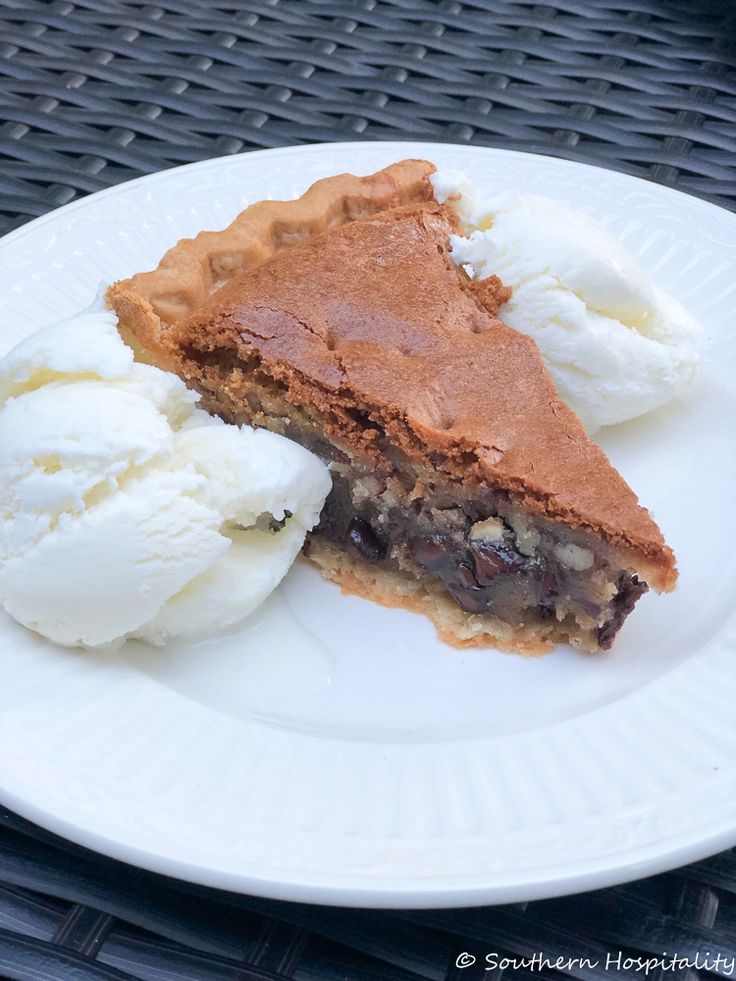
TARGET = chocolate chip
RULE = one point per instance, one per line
(464, 576)
(338, 511)
(629, 591)
(450, 562)
(473, 600)
(476, 510)
(490, 561)
(363, 543)
(436, 553)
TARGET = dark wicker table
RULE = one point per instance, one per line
(97, 91)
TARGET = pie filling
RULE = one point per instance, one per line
(485, 553)
(473, 543)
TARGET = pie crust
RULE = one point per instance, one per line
(150, 302)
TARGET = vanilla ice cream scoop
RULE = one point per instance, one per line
(616, 345)
(126, 511)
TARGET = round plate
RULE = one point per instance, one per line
(335, 751)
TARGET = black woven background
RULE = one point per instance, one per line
(98, 91)
(68, 914)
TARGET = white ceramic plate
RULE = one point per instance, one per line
(335, 751)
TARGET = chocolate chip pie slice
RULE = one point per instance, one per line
(462, 486)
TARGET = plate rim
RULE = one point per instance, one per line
(361, 897)
(597, 875)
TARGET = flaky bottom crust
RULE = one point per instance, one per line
(391, 588)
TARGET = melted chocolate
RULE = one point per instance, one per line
(482, 577)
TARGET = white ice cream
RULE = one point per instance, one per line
(126, 511)
(616, 345)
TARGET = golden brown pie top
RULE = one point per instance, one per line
(375, 316)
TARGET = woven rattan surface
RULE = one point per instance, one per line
(95, 92)
(99, 91)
